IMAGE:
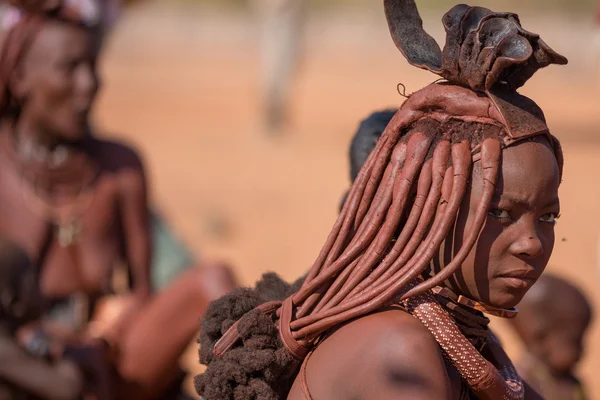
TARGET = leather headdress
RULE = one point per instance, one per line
(486, 51)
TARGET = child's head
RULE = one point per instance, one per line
(365, 138)
(553, 318)
(20, 298)
(364, 141)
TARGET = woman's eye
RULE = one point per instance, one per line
(549, 218)
(499, 213)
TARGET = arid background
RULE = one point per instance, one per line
(180, 83)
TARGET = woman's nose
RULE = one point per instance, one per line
(528, 244)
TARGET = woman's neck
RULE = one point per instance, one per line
(28, 129)
(34, 143)
(445, 291)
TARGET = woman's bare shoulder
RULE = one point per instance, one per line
(384, 355)
(125, 165)
(118, 156)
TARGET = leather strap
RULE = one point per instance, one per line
(303, 380)
(229, 339)
(296, 348)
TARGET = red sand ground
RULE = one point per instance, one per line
(181, 85)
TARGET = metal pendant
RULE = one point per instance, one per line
(67, 233)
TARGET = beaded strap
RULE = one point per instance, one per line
(483, 377)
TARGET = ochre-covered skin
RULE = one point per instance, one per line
(449, 185)
(83, 208)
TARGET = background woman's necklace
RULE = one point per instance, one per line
(68, 232)
(60, 190)
(63, 212)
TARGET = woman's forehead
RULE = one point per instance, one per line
(59, 39)
(529, 172)
(534, 158)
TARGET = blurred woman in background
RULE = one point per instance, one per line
(78, 204)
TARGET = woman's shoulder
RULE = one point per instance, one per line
(392, 333)
(380, 327)
(382, 355)
(123, 164)
(117, 155)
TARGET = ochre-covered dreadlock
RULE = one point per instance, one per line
(402, 207)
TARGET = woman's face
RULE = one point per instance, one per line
(57, 83)
(517, 239)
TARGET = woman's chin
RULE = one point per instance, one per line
(507, 299)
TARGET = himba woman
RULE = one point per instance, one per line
(452, 215)
(78, 204)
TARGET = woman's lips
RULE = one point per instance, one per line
(518, 282)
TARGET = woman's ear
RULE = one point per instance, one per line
(19, 84)
(406, 27)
